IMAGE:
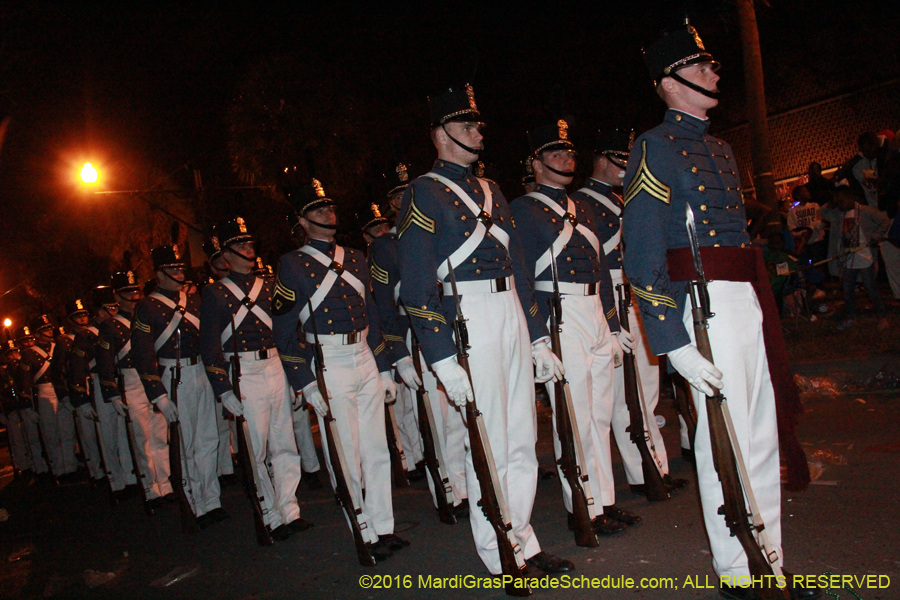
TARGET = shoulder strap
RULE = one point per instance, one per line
(126, 348)
(47, 357)
(248, 303)
(565, 235)
(335, 269)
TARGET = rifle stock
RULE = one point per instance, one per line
(336, 456)
(246, 454)
(492, 502)
(395, 448)
(653, 482)
(434, 460)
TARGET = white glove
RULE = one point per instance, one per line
(297, 401)
(626, 340)
(701, 373)
(548, 366)
(390, 388)
(86, 411)
(455, 380)
(314, 398)
(407, 371)
(167, 408)
(32, 415)
(617, 351)
(67, 404)
(232, 404)
(119, 406)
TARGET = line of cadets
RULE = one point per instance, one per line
(449, 218)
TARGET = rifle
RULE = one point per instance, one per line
(492, 502)
(637, 409)
(433, 457)
(727, 457)
(246, 452)
(682, 404)
(132, 442)
(98, 431)
(177, 477)
(395, 448)
(571, 455)
(336, 455)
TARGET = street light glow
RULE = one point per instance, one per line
(89, 173)
(7, 323)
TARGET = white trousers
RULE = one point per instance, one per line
(410, 437)
(199, 435)
(736, 339)
(267, 409)
(87, 434)
(891, 254)
(503, 378)
(58, 429)
(647, 366)
(18, 445)
(357, 404)
(114, 442)
(32, 437)
(586, 345)
(306, 444)
(451, 435)
(151, 436)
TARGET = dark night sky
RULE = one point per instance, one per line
(145, 90)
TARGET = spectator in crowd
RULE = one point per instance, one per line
(808, 230)
(864, 166)
(818, 186)
(853, 225)
(889, 187)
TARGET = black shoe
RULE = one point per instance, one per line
(603, 525)
(204, 521)
(393, 541)
(282, 533)
(733, 592)
(379, 551)
(156, 503)
(461, 510)
(549, 564)
(622, 516)
(638, 489)
(674, 483)
(300, 524)
(218, 514)
(170, 498)
(417, 474)
(801, 593)
(228, 480)
(688, 455)
(312, 480)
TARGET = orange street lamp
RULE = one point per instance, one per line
(7, 323)
(89, 173)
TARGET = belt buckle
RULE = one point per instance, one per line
(486, 219)
(264, 354)
(501, 284)
(591, 289)
(571, 219)
(352, 337)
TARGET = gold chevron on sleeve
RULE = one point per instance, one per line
(610, 314)
(414, 216)
(378, 274)
(284, 292)
(292, 359)
(378, 350)
(393, 338)
(645, 181)
(426, 314)
(654, 299)
(533, 311)
(216, 371)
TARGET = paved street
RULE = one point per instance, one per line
(58, 541)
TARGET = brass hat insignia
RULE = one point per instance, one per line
(563, 129)
(131, 278)
(320, 191)
(215, 243)
(401, 173)
(376, 211)
(697, 39)
(242, 226)
(79, 305)
(470, 92)
(175, 251)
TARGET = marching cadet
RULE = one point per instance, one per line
(610, 161)
(13, 406)
(560, 229)
(87, 395)
(379, 228)
(334, 281)
(30, 418)
(451, 216)
(37, 385)
(115, 357)
(219, 269)
(672, 166)
(239, 306)
(166, 332)
(76, 320)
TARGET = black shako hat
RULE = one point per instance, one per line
(233, 231)
(677, 48)
(454, 104)
(23, 335)
(376, 219)
(10, 346)
(212, 248)
(615, 143)
(75, 307)
(167, 257)
(101, 295)
(552, 136)
(40, 323)
(396, 178)
(307, 197)
(124, 281)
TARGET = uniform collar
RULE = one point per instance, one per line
(687, 121)
(451, 170)
(554, 193)
(241, 277)
(600, 186)
(168, 293)
(322, 245)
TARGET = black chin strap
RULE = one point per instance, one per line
(460, 144)
(166, 273)
(244, 256)
(694, 86)
(560, 173)
(614, 161)
(322, 225)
